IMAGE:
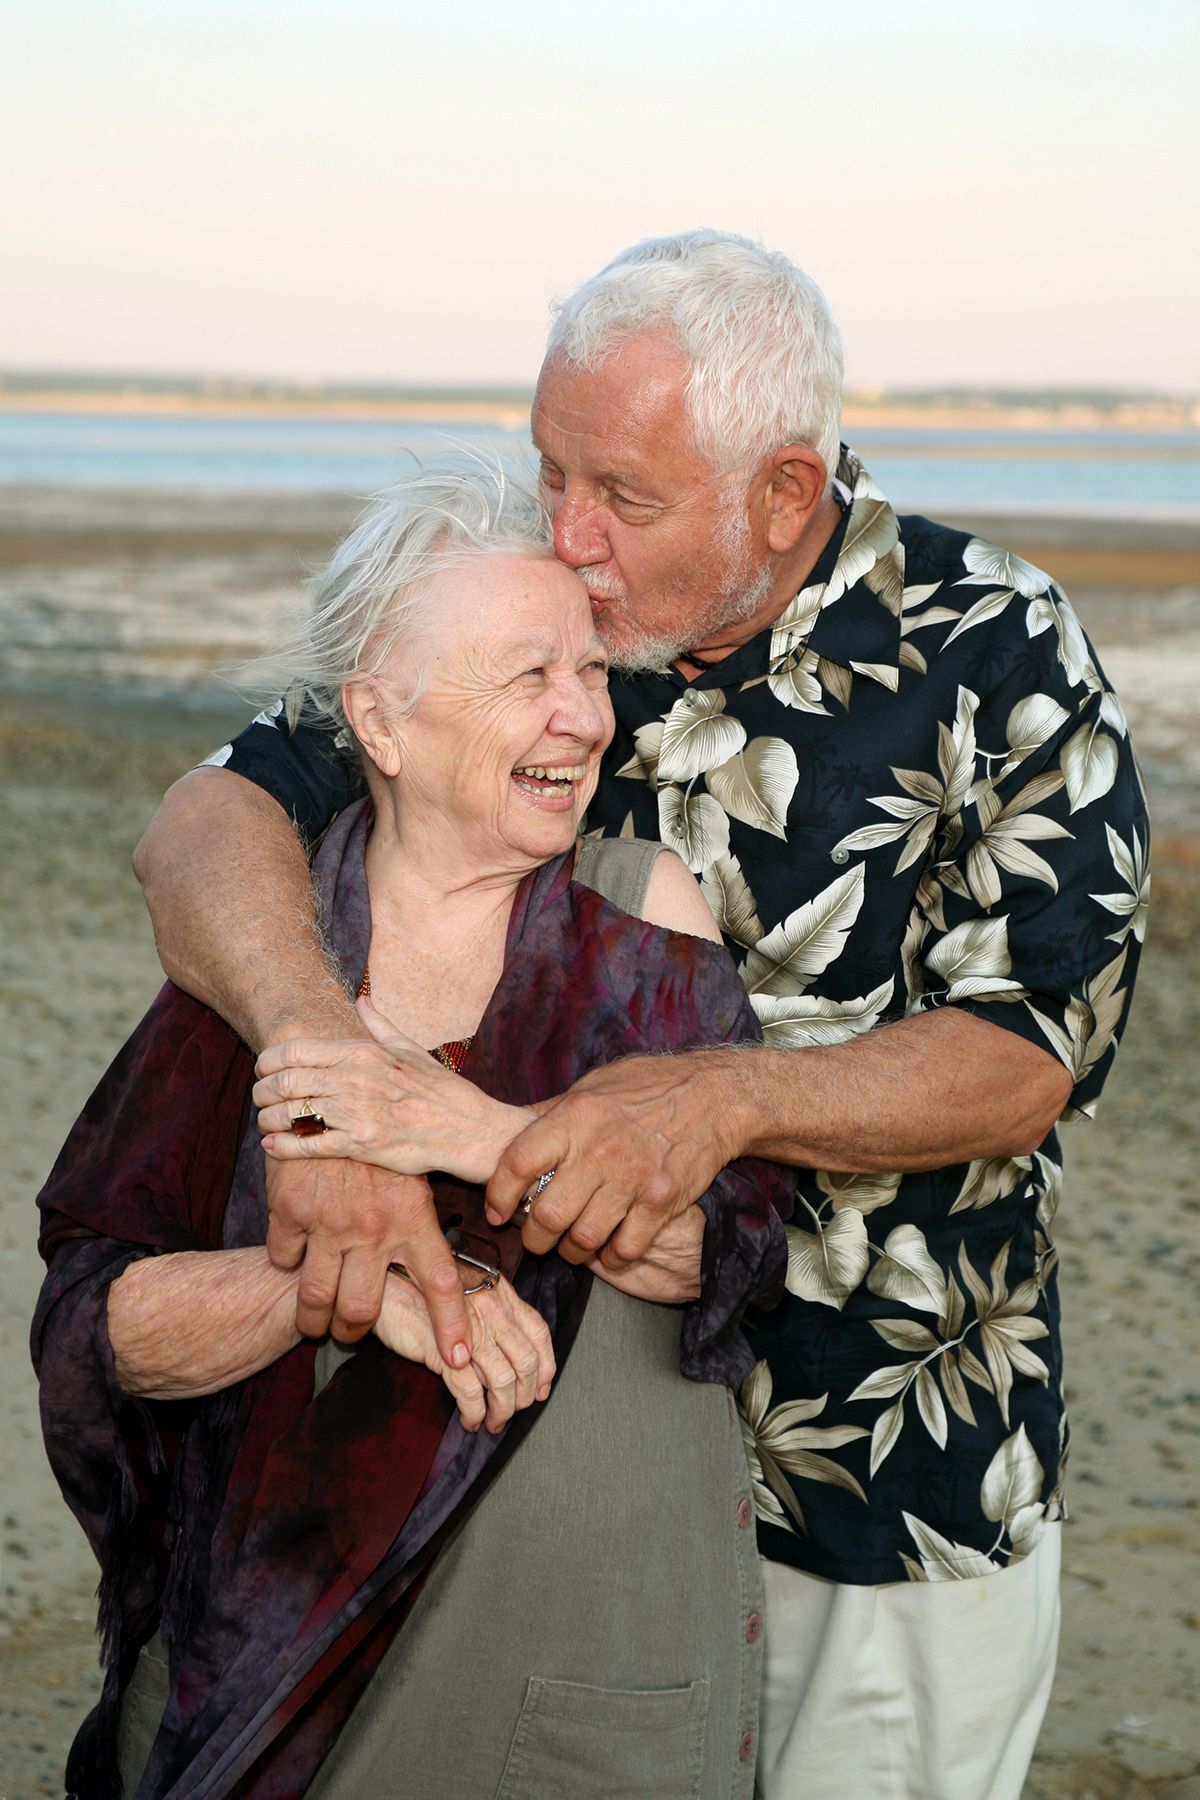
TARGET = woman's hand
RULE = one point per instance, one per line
(669, 1273)
(512, 1355)
(387, 1102)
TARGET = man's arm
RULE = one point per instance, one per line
(234, 915)
(235, 920)
(638, 1141)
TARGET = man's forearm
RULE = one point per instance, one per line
(231, 899)
(927, 1092)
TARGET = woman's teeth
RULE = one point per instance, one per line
(559, 780)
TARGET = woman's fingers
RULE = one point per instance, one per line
(512, 1350)
(523, 1360)
(500, 1379)
(535, 1333)
(304, 1053)
(469, 1396)
(380, 1026)
(285, 1146)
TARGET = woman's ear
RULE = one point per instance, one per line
(374, 724)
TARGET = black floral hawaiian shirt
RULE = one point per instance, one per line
(915, 790)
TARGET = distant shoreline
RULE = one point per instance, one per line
(1141, 414)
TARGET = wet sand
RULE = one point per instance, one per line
(82, 762)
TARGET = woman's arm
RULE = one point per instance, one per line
(197, 1321)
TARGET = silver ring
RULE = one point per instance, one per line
(539, 1187)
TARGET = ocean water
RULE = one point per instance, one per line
(167, 621)
(1118, 474)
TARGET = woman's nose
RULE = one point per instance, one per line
(582, 713)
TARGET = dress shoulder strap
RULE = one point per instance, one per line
(618, 869)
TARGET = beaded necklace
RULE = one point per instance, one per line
(451, 1055)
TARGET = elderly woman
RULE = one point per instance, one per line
(318, 1575)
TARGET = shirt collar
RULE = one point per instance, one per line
(849, 611)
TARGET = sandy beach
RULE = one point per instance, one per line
(119, 608)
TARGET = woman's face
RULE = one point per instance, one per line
(503, 749)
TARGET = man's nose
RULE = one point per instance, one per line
(580, 540)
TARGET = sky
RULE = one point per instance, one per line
(991, 194)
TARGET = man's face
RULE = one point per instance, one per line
(666, 547)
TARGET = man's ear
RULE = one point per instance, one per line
(797, 479)
(373, 724)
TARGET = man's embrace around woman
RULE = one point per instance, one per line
(889, 754)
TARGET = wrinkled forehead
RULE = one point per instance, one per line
(632, 405)
(492, 607)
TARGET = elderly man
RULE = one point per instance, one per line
(889, 752)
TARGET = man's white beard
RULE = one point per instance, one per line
(741, 593)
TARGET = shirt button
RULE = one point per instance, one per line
(746, 1746)
(839, 855)
(745, 1513)
(753, 1628)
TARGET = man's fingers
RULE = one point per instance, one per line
(318, 1288)
(541, 1146)
(635, 1236)
(433, 1268)
(285, 1244)
(587, 1235)
(557, 1208)
(359, 1294)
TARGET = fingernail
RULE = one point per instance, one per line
(492, 1216)
(460, 1356)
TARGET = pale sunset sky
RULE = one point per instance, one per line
(988, 193)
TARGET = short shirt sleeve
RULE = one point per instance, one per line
(312, 772)
(1035, 919)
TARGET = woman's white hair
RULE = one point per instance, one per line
(765, 354)
(373, 598)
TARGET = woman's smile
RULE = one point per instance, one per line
(552, 782)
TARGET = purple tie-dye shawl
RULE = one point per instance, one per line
(277, 1537)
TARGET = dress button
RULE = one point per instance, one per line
(746, 1746)
(745, 1513)
(753, 1628)
(839, 855)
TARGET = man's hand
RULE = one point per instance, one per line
(636, 1142)
(342, 1223)
(633, 1145)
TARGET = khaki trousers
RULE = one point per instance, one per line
(911, 1691)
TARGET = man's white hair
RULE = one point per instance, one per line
(765, 354)
(373, 597)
